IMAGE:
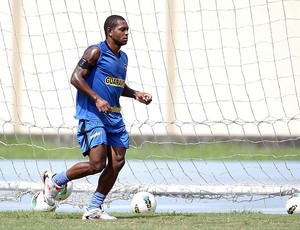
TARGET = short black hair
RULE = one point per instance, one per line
(111, 21)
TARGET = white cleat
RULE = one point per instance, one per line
(51, 190)
(97, 214)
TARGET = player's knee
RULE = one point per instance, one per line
(119, 164)
(97, 168)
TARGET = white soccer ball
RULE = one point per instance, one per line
(65, 192)
(293, 204)
(39, 204)
(143, 202)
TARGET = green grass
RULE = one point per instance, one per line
(66, 220)
(38, 148)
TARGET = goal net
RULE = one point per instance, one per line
(225, 80)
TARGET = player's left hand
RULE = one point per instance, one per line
(144, 98)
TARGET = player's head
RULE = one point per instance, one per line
(111, 22)
(116, 30)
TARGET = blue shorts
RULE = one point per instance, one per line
(92, 133)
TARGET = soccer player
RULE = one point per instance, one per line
(99, 78)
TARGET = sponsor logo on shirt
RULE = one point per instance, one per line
(115, 81)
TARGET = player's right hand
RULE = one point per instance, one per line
(103, 106)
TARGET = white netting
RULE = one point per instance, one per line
(225, 80)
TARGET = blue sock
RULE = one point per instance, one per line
(96, 201)
(60, 179)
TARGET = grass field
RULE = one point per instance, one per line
(66, 220)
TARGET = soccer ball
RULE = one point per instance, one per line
(143, 202)
(39, 204)
(293, 204)
(65, 192)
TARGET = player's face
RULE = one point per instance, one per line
(120, 33)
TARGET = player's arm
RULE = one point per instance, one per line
(81, 71)
(142, 97)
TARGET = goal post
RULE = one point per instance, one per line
(225, 79)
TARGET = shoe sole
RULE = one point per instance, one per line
(98, 217)
(43, 177)
(95, 219)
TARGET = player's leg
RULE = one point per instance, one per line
(117, 143)
(54, 182)
(97, 162)
(116, 160)
(92, 139)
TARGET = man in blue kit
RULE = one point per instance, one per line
(99, 78)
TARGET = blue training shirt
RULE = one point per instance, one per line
(107, 79)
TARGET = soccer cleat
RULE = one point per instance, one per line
(97, 214)
(51, 190)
